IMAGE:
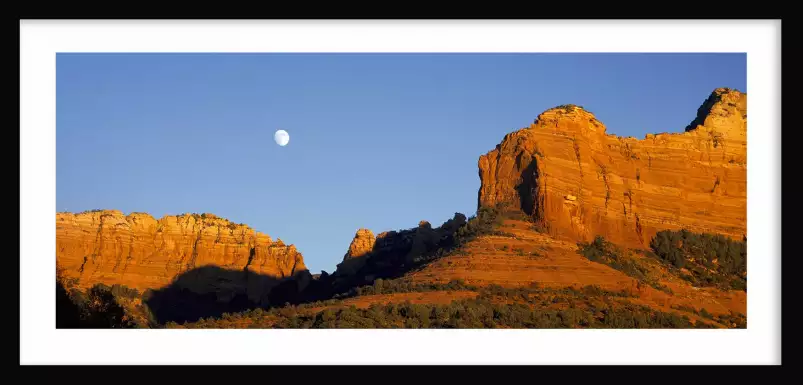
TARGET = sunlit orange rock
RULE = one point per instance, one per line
(579, 182)
(142, 252)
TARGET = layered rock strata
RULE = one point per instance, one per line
(140, 251)
(577, 181)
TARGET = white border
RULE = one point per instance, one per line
(42, 343)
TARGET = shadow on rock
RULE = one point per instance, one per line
(210, 291)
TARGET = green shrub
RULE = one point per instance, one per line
(602, 251)
(103, 309)
(711, 259)
(484, 223)
(569, 107)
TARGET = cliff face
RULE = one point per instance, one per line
(578, 182)
(142, 252)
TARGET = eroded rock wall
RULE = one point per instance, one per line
(579, 182)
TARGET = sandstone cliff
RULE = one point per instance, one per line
(142, 252)
(578, 182)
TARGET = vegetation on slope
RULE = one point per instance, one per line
(487, 221)
(390, 286)
(704, 259)
(602, 251)
(732, 319)
(494, 307)
(99, 307)
(401, 258)
(478, 313)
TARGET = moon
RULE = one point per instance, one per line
(281, 137)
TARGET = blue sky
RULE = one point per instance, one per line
(379, 141)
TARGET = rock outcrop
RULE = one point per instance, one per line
(142, 252)
(362, 244)
(392, 251)
(577, 181)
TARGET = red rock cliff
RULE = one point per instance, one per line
(580, 182)
(142, 252)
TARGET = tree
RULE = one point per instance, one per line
(68, 314)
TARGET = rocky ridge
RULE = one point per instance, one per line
(140, 251)
(577, 181)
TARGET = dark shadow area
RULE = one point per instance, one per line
(530, 201)
(527, 188)
(68, 314)
(397, 253)
(96, 308)
(210, 291)
(394, 254)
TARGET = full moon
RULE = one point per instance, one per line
(281, 137)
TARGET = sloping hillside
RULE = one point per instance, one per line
(514, 271)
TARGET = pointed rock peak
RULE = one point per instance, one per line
(362, 244)
(363, 232)
(724, 110)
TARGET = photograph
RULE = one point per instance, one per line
(453, 192)
(401, 190)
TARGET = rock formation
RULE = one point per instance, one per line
(576, 181)
(362, 244)
(142, 252)
(391, 250)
